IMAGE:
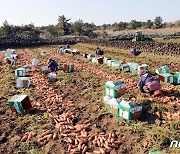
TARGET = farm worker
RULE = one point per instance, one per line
(134, 51)
(67, 46)
(60, 50)
(52, 64)
(99, 51)
(147, 83)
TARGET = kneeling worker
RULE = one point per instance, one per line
(99, 51)
(52, 64)
(147, 83)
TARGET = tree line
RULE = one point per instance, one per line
(134, 24)
(80, 28)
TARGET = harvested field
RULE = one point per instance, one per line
(71, 116)
(159, 48)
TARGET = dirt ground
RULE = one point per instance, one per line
(78, 96)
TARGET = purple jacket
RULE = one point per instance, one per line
(53, 65)
(144, 79)
(133, 51)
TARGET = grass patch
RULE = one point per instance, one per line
(168, 40)
(120, 54)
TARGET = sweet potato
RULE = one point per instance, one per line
(29, 136)
(87, 121)
(84, 149)
(96, 152)
(33, 134)
(91, 137)
(65, 135)
(54, 136)
(49, 136)
(112, 140)
(45, 133)
(69, 140)
(74, 150)
(106, 146)
(69, 147)
(24, 138)
(113, 135)
(67, 131)
(102, 151)
(117, 142)
(113, 145)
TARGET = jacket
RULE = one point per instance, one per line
(144, 79)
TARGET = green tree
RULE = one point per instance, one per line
(63, 27)
(88, 30)
(6, 28)
(51, 29)
(158, 22)
(77, 27)
(133, 24)
(148, 24)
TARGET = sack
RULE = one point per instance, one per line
(154, 85)
(52, 75)
(35, 62)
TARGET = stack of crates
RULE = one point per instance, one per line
(118, 106)
(85, 55)
(109, 62)
(142, 67)
(20, 72)
(67, 50)
(9, 60)
(60, 51)
(176, 78)
(20, 104)
(45, 69)
(164, 74)
(113, 92)
(113, 63)
(124, 66)
(27, 68)
(68, 68)
(43, 53)
(52, 77)
(90, 56)
(129, 110)
(23, 82)
(106, 60)
(94, 59)
(133, 67)
(100, 60)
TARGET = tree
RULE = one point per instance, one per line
(6, 28)
(148, 24)
(133, 24)
(177, 23)
(63, 27)
(77, 27)
(158, 22)
(88, 30)
(50, 29)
